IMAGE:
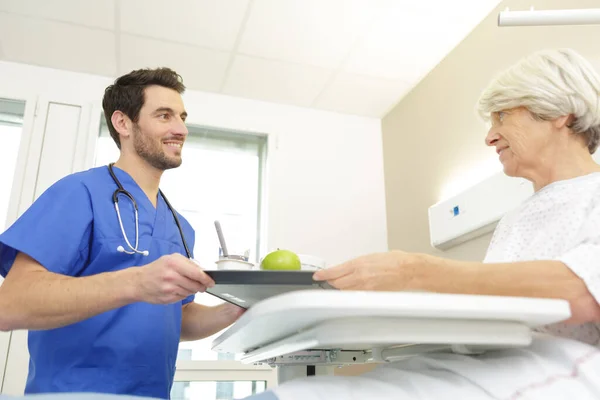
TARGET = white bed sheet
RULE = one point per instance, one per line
(550, 368)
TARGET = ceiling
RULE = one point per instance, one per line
(351, 56)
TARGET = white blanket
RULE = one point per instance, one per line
(550, 369)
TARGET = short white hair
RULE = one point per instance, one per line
(550, 84)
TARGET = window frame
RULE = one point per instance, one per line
(224, 370)
(194, 131)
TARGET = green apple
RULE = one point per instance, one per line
(281, 260)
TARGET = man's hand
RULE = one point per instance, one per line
(170, 279)
(231, 312)
(199, 321)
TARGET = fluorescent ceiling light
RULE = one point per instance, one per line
(588, 16)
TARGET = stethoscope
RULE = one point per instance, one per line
(124, 192)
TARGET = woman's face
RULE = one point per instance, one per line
(524, 144)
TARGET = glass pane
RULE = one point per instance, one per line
(219, 179)
(11, 126)
(106, 149)
(221, 390)
(220, 185)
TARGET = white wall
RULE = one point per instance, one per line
(325, 180)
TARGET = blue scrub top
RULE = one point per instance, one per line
(72, 229)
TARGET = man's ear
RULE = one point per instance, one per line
(564, 121)
(121, 123)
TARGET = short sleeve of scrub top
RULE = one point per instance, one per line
(55, 230)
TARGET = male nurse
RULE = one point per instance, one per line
(107, 296)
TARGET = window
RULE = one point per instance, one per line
(11, 125)
(221, 178)
(221, 390)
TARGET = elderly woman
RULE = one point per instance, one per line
(545, 124)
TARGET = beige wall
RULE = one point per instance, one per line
(433, 135)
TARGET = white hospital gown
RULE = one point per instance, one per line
(559, 222)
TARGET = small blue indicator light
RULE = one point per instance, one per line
(455, 211)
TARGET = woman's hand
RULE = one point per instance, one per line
(389, 271)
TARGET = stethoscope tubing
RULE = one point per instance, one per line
(115, 198)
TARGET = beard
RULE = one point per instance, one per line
(152, 151)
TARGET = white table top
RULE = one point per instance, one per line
(285, 316)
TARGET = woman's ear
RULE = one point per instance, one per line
(564, 121)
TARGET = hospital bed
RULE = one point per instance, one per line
(305, 330)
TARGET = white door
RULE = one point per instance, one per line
(56, 145)
(16, 122)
